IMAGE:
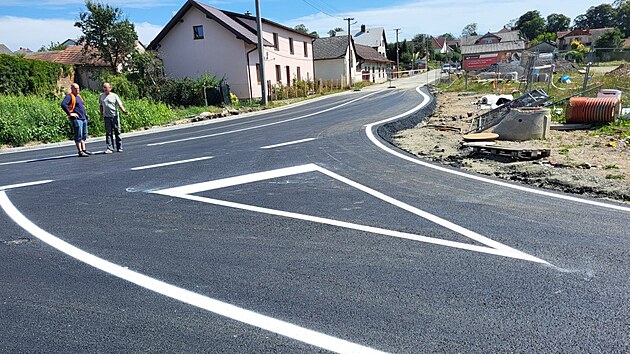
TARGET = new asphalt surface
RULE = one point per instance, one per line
(292, 231)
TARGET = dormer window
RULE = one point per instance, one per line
(198, 32)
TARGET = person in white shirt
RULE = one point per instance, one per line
(109, 104)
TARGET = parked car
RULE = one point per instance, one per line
(447, 68)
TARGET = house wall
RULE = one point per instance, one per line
(219, 53)
(282, 57)
(337, 69)
(331, 69)
(373, 71)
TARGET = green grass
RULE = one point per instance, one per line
(611, 167)
(619, 177)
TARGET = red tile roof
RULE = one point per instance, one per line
(72, 55)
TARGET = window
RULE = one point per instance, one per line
(276, 42)
(278, 74)
(198, 32)
(291, 49)
(288, 75)
(488, 41)
(305, 50)
(258, 72)
(299, 74)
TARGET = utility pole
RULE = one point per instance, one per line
(349, 50)
(261, 55)
(397, 56)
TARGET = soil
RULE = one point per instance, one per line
(581, 161)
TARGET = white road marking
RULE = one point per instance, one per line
(19, 185)
(375, 141)
(492, 247)
(37, 160)
(288, 143)
(262, 125)
(218, 307)
(171, 163)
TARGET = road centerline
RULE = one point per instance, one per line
(263, 125)
(139, 168)
(288, 143)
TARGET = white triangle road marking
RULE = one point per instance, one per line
(490, 246)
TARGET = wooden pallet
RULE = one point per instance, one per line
(513, 152)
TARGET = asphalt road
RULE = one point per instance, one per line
(299, 230)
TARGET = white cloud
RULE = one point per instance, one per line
(441, 16)
(35, 33)
(147, 32)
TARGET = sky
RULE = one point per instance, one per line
(33, 24)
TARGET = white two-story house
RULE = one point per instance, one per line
(202, 39)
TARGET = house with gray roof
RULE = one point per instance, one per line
(201, 39)
(479, 52)
(334, 59)
(5, 50)
(371, 37)
(371, 64)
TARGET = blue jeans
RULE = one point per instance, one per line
(80, 127)
(112, 129)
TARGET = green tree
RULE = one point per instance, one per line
(557, 23)
(610, 39)
(333, 32)
(52, 46)
(531, 24)
(545, 37)
(597, 17)
(302, 28)
(105, 30)
(623, 18)
(449, 36)
(469, 30)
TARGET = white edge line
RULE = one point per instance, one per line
(218, 307)
(28, 184)
(288, 143)
(171, 163)
(185, 192)
(375, 141)
(263, 125)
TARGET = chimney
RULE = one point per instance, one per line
(248, 13)
(363, 28)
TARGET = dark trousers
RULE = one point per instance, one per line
(112, 129)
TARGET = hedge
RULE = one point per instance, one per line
(20, 76)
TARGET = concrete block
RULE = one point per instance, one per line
(525, 124)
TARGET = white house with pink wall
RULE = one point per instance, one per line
(202, 39)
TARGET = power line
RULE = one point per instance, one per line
(319, 9)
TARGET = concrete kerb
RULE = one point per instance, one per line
(387, 130)
(159, 129)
